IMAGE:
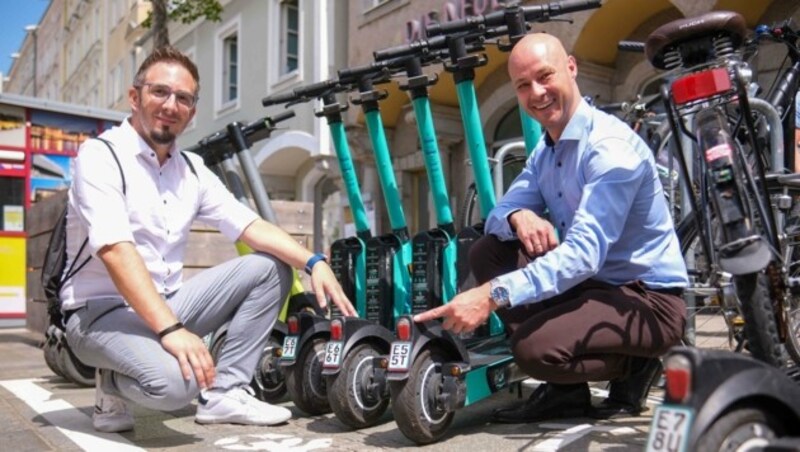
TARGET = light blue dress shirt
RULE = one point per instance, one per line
(601, 189)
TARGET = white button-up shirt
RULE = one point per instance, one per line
(155, 212)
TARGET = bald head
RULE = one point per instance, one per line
(543, 76)
(538, 46)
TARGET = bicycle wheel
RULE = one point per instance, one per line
(712, 321)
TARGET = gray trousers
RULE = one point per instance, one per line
(248, 291)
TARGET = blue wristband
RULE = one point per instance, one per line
(312, 261)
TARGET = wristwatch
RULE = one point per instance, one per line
(499, 293)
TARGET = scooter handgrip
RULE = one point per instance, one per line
(315, 89)
(631, 46)
(418, 47)
(456, 26)
(282, 98)
(544, 12)
(280, 117)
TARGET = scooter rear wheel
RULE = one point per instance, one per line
(349, 392)
(304, 381)
(415, 401)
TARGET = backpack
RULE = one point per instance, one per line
(55, 258)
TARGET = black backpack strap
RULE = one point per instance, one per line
(119, 165)
(189, 162)
(72, 269)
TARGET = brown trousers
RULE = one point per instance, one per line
(588, 333)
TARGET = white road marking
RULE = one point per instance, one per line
(66, 418)
(273, 442)
(572, 433)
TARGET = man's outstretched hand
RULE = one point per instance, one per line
(467, 311)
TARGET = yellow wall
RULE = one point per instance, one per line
(12, 275)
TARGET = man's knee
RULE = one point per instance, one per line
(269, 269)
(169, 391)
(487, 258)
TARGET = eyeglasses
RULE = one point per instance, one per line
(164, 92)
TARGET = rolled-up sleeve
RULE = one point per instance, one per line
(98, 196)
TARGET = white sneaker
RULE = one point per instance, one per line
(111, 414)
(238, 406)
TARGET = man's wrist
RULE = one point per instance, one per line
(499, 293)
(314, 260)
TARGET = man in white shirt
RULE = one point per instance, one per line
(127, 311)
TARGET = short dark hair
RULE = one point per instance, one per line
(166, 54)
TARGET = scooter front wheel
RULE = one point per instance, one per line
(416, 401)
(304, 381)
(268, 381)
(353, 393)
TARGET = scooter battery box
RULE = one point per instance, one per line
(427, 270)
(344, 254)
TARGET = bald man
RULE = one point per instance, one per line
(603, 303)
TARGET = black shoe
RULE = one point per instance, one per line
(549, 401)
(627, 396)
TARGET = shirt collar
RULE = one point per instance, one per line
(577, 125)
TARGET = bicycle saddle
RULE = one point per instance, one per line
(682, 30)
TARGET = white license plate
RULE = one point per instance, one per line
(400, 356)
(669, 429)
(289, 347)
(333, 354)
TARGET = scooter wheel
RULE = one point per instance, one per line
(741, 429)
(50, 349)
(351, 392)
(268, 381)
(415, 401)
(304, 381)
(74, 370)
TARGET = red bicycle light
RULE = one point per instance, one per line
(404, 329)
(679, 378)
(293, 323)
(701, 85)
(336, 330)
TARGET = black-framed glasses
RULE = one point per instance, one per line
(163, 92)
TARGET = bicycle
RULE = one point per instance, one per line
(742, 248)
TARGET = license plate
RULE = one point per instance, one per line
(333, 354)
(400, 356)
(289, 347)
(669, 429)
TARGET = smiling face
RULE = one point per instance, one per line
(543, 76)
(159, 119)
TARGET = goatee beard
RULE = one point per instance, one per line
(162, 136)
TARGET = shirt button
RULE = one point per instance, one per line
(152, 154)
(165, 201)
(558, 164)
(563, 224)
(559, 194)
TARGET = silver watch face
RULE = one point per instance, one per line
(500, 295)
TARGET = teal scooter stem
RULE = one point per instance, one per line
(348, 255)
(434, 251)
(397, 243)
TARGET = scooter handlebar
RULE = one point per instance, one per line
(281, 98)
(538, 13)
(267, 122)
(631, 46)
